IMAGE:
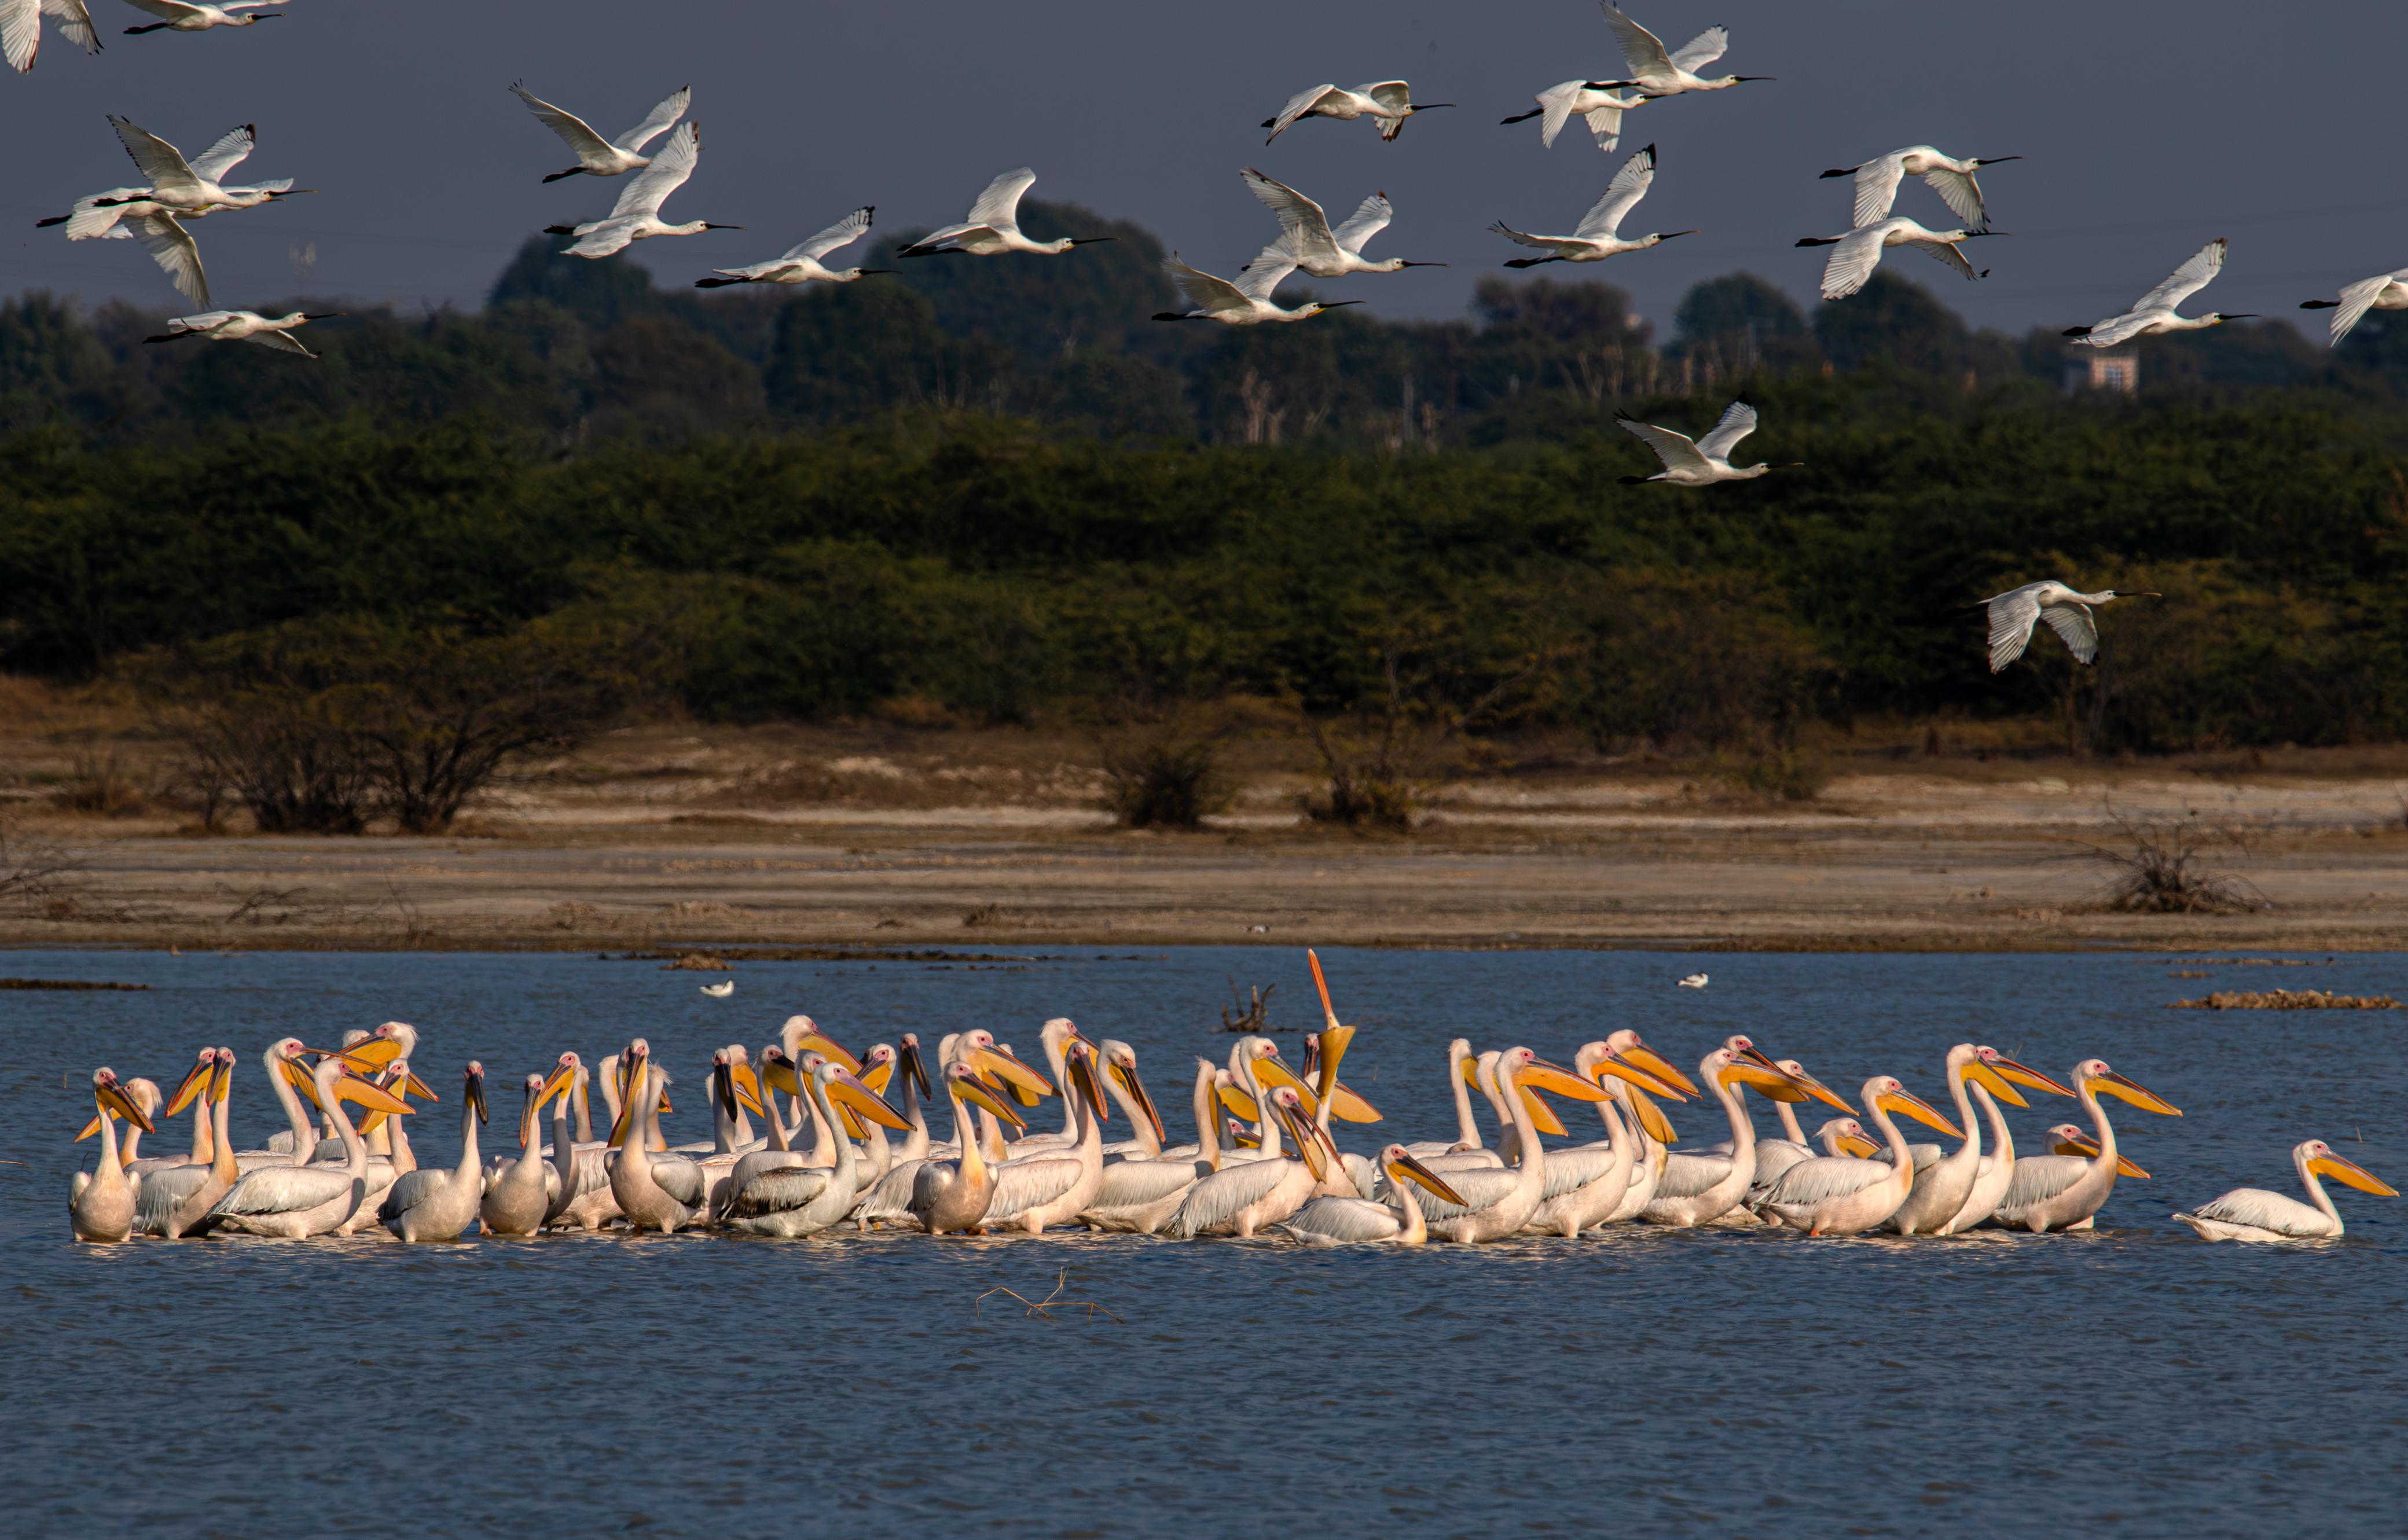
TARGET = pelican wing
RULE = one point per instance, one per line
(1301, 221)
(160, 163)
(930, 1181)
(998, 207)
(211, 165)
(1960, 193)
(1738, 422)
(1480, 1188)
(1137, 1184)
(2186, 281)
(172, 247)
(844, 232)
(1023, 1185)
(652, 186)
(1688, 1176)
(1216, 1200)
(1823, 1177)
(1339, 1222)
(2251, 1206)
(1297, 105)
(2074, 623)
(162, 1190)
(1642, 51)
(781, 1190)
(890, 1196)
(21, 32)
(284, 1189)
(572, 129)
(2012, 613)
(1852, 261)
(1369, 217)
(2356, 299)
(409, 1190)
(1622, 195)
(1876, 187)
(1569, 1170)
(75, 24)
(2038, 1177)
(668, 110)
(1677, 450)
(680, 1178)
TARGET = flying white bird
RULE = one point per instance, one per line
(1857, 254)
(595, 155)
(96, 217)
(720, 991)
(1694, 981)
(637, 215)
(243, 326)
(1877, 183)
(1596, 238)
(2383, 292)
(171, 246)
(801, 263)
(1389, 101)
(177, 16)
(1248, 301)
(1601, 110)
(1656, 73)
(2014, 613)
(21, 28)
(994, 226)
(1703, 461)
(2153, 313)
(1324, 252)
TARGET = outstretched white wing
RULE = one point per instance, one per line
(1622, 195)
(998, 207)
(161, 164)
(1946, 252)
(2186, 281)
(1852, 261)
(668, 110)
(2358, 298)
(2074, 623)
(1369, 217)
(844, 232)
(1209, 293)
(1961, 194)
(1302, 224)
(1544, 243)
(1876, 187)
(1679, 452)
(1738, 422)
(1269, 270)
(284, 342)
(1605, 124)
(75, 24)
(571, 128)
(1297, 105)
(21, 32)
(1702, 49)
(171, 247)
(211, 165)
(1393, 94)
(1555, 109)
(668, 171)
(2013, 615)
(1642, 51)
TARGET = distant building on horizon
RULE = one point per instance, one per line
(2102, 369)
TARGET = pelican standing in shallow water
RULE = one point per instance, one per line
(1842, 1195)
(2065, 1191)
(1942, 1188)
(2254, 1214)
(1345, 1221)
(100, 1203)
(1498, 1201)
(520, 1193)
(295, 1202)
(952, 1195)
(437, 1205)
(1699, 1187)
(171, 1201)
(1240, 1200)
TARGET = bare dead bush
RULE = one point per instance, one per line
(36, 874)
(2161, 869)
(1165, 776)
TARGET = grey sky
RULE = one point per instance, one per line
(2148, 129)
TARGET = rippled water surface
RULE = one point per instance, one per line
(2134, 1381)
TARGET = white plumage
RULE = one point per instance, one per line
(2153, 314)
(1599, 236)
(595, 155)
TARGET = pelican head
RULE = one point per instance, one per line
(962, 1083)
(1997, 1074)
(1848, 1136)
(534, 1093)
(1625, 1045)
(2094, 1075)
(1523, 1067)
(475, 1091)
(1744, 1047)
(914, 1066)
(980, 1050)
(849, 1092)
(1287, 1106)
(1084, 1080)
(195, 1081)
(2322, 1162)
(1887, 1092)
(1400, 1166)
(1120, 1063)
(110, 1095)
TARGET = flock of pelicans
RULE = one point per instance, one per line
(827, 1157)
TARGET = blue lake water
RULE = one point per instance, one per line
(2135, 1381)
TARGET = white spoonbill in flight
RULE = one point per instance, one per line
(2014, 613)
(1324, 252)
(21, 29)
(1248, 301)
(1601, 110)
(637, 216)
(801, 263)
(1597, 235)
(992, 227)
(595, 155)
(1388, 102)
(1701, 462)
(2153, 314)
(243, 326)
(1656, 73)
(2254, 1214)
(177, 16)
(96, 217)
(1877, 183)
(1855, 254)
(2382, 292)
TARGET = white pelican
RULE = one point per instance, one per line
(2153, 314)
(170, 1201)
(243, 326)
(1942, 1188)
(794, 1199)
(595, 155)
(582, 1196)
(1699, 1187)
(520, 1194)
(2254, 1214)
(637, 216)
(190, 1091)
(1775, 1156)
(296, 1144)
(300, 1201)
(801, 263)
(100, 1203)
(1247, 302)
(1703, 461)
(1240, 1199)
(1843, 1195)
(1046, 1189)
(1120, 1076)
(1388, 102)
(1467, 1129)
(1324, 252)
(1997, 1168)
(2382, 292)
(1599, 234)
(1855, 254)
(1056, 1039)
(992, 227)
(1601, 110)
(1655, 72)
(1139, 1196)
(437, 1205)
(952, 1195)
(21, 29)
(634, 1175)
(1877, 183)
(1653, 1156)
(2065, 1191)
(178, 16)
(1588, 1183)
(1345, 1221)
(2067, 610)
(1498, 1203)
